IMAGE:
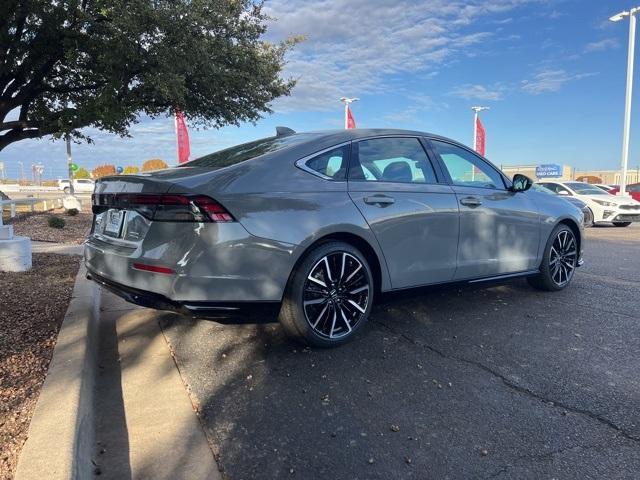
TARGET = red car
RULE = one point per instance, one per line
(633, 190)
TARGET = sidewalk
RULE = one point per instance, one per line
(113, 403)
(149, 414)
(61, 248)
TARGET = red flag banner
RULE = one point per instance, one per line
(480, 137)
(182, 134)
(351, 122)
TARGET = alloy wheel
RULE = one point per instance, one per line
(336, 294)
(563, 258)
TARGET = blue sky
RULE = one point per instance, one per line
(552, 72)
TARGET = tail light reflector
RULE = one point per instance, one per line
(152, 268)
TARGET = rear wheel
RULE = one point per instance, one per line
(329, 296)
(67, 190)
(559, 261)
(622, 224)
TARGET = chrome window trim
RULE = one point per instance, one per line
(302, 162)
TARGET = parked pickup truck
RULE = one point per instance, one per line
(80, 185)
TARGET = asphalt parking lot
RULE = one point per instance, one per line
(501, 382)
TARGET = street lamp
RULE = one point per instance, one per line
(346, 102)
(627, 104)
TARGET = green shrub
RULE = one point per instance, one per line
(72, 212)
(56, 222)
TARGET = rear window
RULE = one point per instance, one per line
(247, 151)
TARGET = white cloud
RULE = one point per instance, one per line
(602, 45)
(354, 47)
(551, 81)
(479, 92)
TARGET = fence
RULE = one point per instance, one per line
(47, 204)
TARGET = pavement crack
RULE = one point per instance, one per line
(514, 386)
(542, 456)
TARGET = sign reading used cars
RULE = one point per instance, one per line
(549, 170)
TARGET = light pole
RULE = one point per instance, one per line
(627, 104)
(69, 164)
(347, 102)
(21, 170)
(476, 110)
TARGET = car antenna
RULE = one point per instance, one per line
(284, 131)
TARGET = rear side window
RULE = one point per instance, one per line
(331, 164)
(247, 151)
(396, 160)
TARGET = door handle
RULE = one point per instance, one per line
(471, 201)
(379, 200)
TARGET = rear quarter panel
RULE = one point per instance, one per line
(273, 199)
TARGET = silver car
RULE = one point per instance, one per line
(311, 227)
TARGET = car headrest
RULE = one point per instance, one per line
(397, 172)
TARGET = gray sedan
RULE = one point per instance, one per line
(311, 227)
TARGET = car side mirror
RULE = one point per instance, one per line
(563, 192)
(521, 183)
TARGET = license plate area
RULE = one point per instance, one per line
(113, 222)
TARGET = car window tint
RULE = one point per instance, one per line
(465, 168)
(633, 188)
(332, 163)
(585, 189)
(398, 160)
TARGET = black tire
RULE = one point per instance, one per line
(559, 261)
(67, 190)
(590, 222)
(622, 224)
(337, 312)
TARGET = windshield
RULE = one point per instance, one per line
(585, 189)
(540, 188)
(247, 151)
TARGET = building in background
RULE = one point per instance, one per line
(566, 172)
(539, 172)
(608, 177)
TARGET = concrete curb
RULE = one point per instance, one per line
(62, 434)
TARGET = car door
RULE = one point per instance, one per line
(499, 229)
(413, 216)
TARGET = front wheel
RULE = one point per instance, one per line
(622, 224)
(67, 190)
(329, 296)
(589, 218)
(559, 261)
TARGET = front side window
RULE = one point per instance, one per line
(398, 160)
(332, 164)
(465, 168)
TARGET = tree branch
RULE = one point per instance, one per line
(16, 124)
(17, 135)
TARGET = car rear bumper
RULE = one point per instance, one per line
(198, 263)
(224, 312)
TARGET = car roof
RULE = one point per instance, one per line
(345, 135)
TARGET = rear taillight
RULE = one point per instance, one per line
(165, 207)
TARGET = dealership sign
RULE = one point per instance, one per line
(550, 170)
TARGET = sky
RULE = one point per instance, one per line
(553, 73)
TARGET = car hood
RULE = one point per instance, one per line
(575, 201)
(611, 199)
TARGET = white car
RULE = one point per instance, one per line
(80, 185)
(621, 211)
